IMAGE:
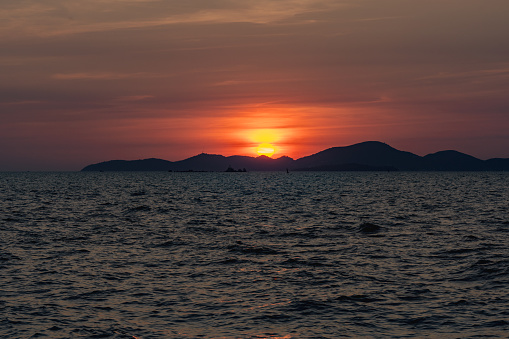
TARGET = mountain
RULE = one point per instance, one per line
(130, 165)
(365, 156)
(371, 153)
(498, 164)
(217, 163)
(200, 162)
(453, 161)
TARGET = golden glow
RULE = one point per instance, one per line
(265, 149)
(287, 128)
(264, 135)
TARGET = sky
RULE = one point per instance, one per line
(88, 81)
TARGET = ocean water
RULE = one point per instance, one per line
(254, 255)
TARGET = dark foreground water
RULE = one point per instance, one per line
(254, 255)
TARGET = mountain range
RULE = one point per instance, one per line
(364, 156)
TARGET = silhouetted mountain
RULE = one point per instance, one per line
(497, 164)
(371, 153)
(349, 168)
(130, 165)
(217, 163)
(452, 161)
(365, 156)
(201, 162)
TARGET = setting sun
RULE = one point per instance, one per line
(265, 149)
(277, 139)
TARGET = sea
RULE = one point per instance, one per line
(254, 255)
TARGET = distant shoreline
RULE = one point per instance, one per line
(365, 156)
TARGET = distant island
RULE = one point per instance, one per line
(365, 156)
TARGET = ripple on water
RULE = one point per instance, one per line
(263, 255)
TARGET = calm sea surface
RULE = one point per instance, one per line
(254, 255)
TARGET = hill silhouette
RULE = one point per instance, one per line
(365, 156)
(453, 161)
(370, 153)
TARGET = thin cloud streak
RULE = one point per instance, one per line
(54, 18)
(476, 74)
(106, 76)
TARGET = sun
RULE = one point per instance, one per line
(265, 149)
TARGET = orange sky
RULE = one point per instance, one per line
(90, 81)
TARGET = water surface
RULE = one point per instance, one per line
(254, 255)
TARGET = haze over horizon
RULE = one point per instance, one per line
(90, 81)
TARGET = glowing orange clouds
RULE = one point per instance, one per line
(264, 135)
(264, 130)
(287, 130)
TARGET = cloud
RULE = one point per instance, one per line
(477, 74)
(105, 76)
(58, 17)
(22, 102)
(132, 98)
